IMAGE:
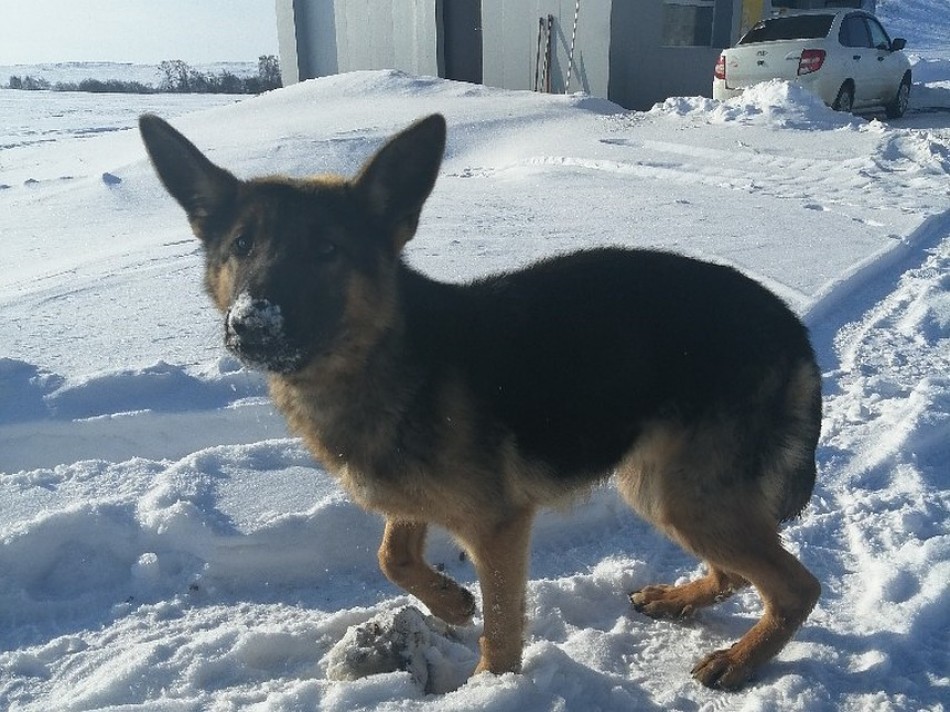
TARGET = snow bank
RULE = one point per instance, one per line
(773, 103)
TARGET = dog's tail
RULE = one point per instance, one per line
(789, 471)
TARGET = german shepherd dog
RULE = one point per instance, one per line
(470, 406)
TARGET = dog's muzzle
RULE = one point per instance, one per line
(254, 331)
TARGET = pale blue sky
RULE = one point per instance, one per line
(141, 31)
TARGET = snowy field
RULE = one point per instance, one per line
(148, 74)
(166, 546)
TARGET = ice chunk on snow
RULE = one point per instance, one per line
(405, 640)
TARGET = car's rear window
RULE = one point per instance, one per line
(795, 27)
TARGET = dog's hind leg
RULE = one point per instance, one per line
(789, 592)
(745, 543)
(500, 554)
(402, 559)
(662, 601)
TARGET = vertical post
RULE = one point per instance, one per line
(547, 55)
(537, 59)
(570, 58)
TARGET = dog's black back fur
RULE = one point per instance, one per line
(587, 348)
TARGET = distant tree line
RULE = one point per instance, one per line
(177, 78)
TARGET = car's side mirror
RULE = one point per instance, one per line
(897, 44)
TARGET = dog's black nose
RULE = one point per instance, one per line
(235, 324)
(240, 323)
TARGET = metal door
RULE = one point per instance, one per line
(461, 30)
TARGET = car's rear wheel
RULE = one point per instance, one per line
(845, 99)
(896, 108)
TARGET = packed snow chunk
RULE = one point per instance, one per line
(146, 572)
(23, 390)
(403, 640)
(110, 179)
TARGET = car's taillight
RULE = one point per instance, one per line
(810, 61)
(720, 72)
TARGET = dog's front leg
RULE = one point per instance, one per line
(402, 559)
(500, 554)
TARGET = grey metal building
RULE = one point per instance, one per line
(633, 52)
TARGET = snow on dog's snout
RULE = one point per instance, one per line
(255, 316)
(255, 331)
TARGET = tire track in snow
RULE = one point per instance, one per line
(878, 531)
(869, 283)
(892, 362)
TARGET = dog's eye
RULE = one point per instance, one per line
(242, 245)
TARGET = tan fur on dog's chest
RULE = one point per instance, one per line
(456, 483)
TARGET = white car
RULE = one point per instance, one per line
(844, 56)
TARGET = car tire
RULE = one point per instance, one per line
(896, 108)
(845, 99)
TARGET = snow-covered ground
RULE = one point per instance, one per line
(165, 545)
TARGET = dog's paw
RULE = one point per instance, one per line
(453, 603)
(661, 601)
(720, 670)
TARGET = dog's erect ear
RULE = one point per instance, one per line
(397, 180)
(199, 186)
